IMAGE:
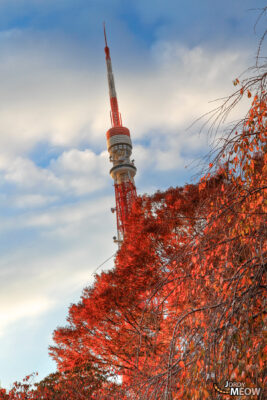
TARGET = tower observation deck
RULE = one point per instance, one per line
(119, 146)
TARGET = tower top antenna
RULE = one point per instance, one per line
(105, 35)
(106, 43)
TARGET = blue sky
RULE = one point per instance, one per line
(171, 59)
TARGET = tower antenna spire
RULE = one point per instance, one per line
(114, 114)
(105, 35)
(120, 149)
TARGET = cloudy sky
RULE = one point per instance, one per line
(170, 58)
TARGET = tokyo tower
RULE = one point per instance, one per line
(119, 146)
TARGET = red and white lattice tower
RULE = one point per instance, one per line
(120, 149)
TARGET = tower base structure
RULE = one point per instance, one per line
(125, 194)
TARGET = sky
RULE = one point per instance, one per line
(171, 60)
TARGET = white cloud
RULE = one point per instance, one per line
(11, 312)
(31, 201)
(178, 86)
(83, 171)
(24, 173)
(45, 97)
(74, 172)
(68, 215)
